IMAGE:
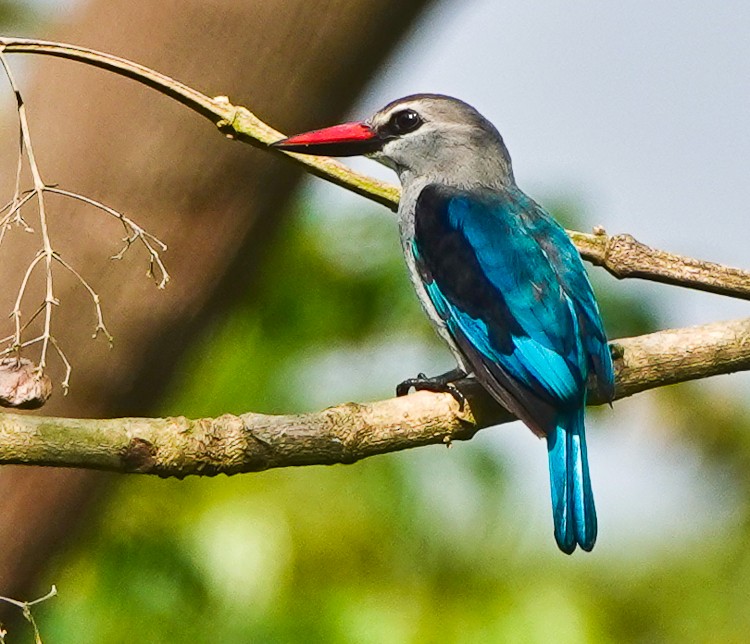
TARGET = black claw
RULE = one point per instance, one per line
(403, 388)
(438, 384)
(456, 393)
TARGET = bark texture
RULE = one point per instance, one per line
(345, 433)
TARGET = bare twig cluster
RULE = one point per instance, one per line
(15, 214)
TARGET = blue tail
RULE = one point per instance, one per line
(572, 499)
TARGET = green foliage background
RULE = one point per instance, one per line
(422, 546)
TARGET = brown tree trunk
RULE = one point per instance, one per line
(216, 203)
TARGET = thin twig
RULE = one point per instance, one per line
(134, 232)
(26, 609)
(21, 604)
(68, 367)
(14, 214)
(16, 313)
(46, 252)
(100, 326)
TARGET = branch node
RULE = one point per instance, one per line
(138, 456)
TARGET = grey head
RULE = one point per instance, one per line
(436, 138)
(425, 138)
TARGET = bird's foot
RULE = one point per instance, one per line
(439, 384)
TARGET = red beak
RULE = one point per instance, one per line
(345, 140)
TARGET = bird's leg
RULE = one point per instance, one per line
(440, 384)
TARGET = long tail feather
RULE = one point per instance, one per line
(573, 508)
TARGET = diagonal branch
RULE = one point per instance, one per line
(233, 121)
(624, 256)
(346, 433)
(621, 255)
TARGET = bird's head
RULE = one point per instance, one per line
(424, 136)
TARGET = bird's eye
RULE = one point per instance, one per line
(405, 121)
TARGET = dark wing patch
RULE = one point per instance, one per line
(452, 263)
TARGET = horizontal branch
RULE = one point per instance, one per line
(621, 255)
(345, 433)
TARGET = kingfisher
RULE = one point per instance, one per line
(499, 278)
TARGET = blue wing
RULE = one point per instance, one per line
(514, 294)
(566, 262)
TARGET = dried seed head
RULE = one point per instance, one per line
(22, 385)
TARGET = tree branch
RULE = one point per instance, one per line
(345, 433)
(621, 255)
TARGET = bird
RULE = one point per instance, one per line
(498, 277)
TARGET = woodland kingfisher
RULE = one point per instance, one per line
(498, 277)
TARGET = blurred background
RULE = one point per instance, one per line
(292, 296)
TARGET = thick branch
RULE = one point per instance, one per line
(345, 433)
(621, 255)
